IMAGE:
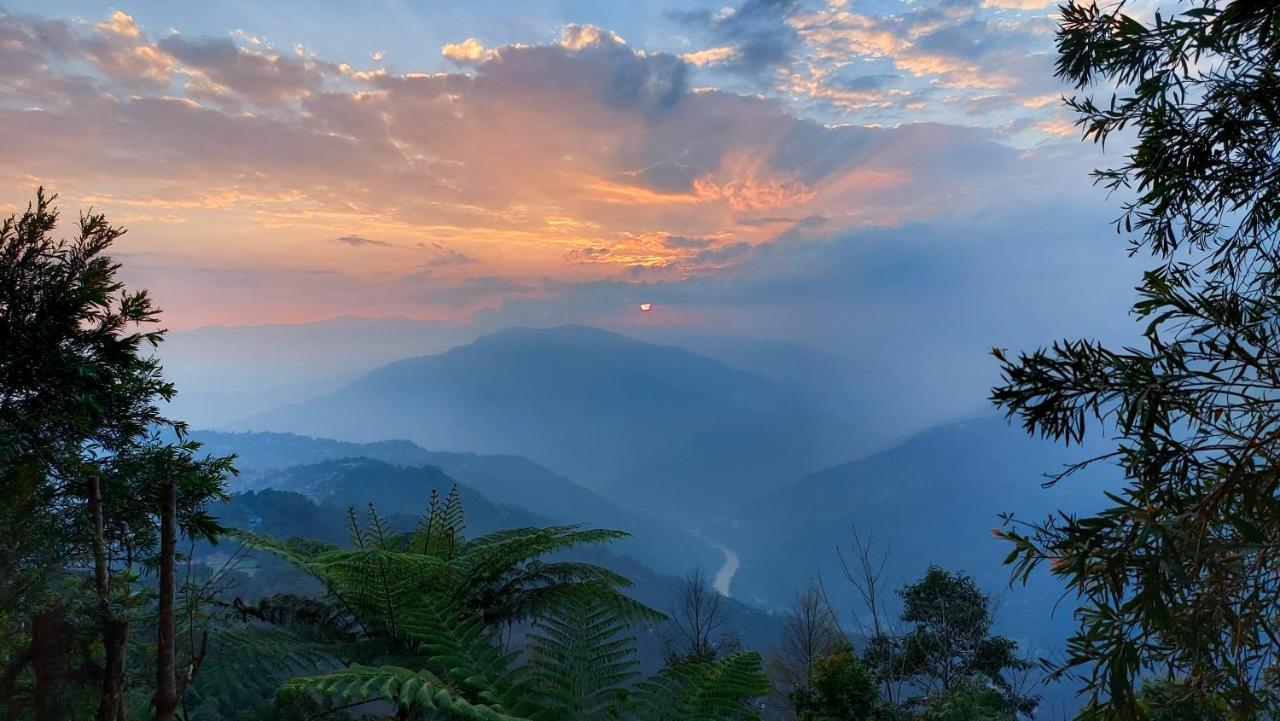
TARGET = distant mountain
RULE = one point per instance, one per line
(848, 385)
(505, 479)
(226, 373)
(659, 427)
(394, 491)
(931, 500)
(258, 453)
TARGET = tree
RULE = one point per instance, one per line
(948, 641)
(82, 461)
(972, 699)
(699, 628)
(809, 633)
(73, 375)
(839, 689)
(863, 568)
(1180, 573)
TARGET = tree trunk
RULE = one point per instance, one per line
(166, 698)
(115, 638)
(49, 644)
(115, 632)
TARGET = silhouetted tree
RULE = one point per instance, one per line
(948, 642)
(863, 567)
(699, 630)
(809, 632)
(82, 464)
(1180, 573)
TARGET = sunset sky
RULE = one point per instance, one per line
(768, 165)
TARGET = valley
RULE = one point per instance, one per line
(758, 536)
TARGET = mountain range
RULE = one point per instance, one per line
(656, 428)
(267, 460)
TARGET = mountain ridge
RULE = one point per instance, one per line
(507, 479)
(653, 426)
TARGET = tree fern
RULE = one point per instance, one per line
(426, 612)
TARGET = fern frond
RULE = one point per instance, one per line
(380, 533)
(454, 521)
(297, 551)
(457, 643)
(407, 689)
(377, 584)
(441, 529)
(718, 691)
(284, 609)
(246, 664)
(421, 540)
(353, 528)
(487, 558)
(580, 662)
(520, 604)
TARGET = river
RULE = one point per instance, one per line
(724, 576)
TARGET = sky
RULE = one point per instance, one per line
(854, 175)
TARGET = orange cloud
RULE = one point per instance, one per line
(710, 56)
(120, 23)
(578, 160)
(465, 52)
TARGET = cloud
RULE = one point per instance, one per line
(443, 256)
(680, 241)
(584, 149)
(120, 23)
(579, 37)
(467, 52)
(221, 67)
(752, 39)
(915, 307)
(466, 292)
(588, 255)
(359, 241)
(1019, 4)
(950, 44)
(723, 254)
(711, 56)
